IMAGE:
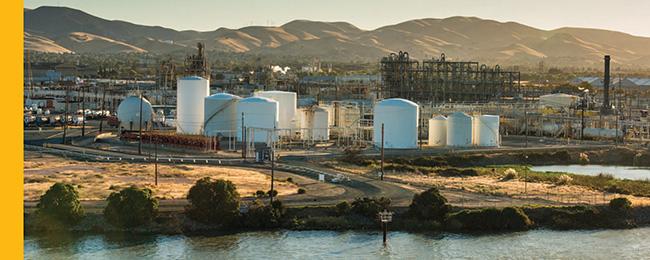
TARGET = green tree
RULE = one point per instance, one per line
(131, 207)
(213, 202)
(59, 206)
(429, 205)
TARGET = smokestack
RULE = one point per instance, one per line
(606, 107)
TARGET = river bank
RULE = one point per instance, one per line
(330, 218)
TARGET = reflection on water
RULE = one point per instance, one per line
(599, 244)
(621, 172)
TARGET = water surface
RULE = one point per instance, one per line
(621, 172)
(536, 244)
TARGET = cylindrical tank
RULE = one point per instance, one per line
(287, 107)
(128, 114)
(190, 94)
(220, 115)
(400, 120)
(261, 115)
(487, 131)
(320, 125)
(438, 131)
(459, 129)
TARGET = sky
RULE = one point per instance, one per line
(630, 16)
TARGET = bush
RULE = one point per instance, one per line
(131, 207)
(264, 216)
(584, 158)
(369, 207)
(490, 219)
(452, 172)
(343, 208)
(290, 179)
(59, 206)
(272, 193)
(620, 204)
(429, 205)
(564, 180)
(510, 174)
(301, 191)
(213, 202)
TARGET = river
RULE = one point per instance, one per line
(545, 244)
(621, 172)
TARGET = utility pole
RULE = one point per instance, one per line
(155, 162)
(243, 137)
(271, 195)
(382, 151)
(140, 129)
(65, 115)
(582, 116)
(101, 119)
(525, 119)
(83, 111)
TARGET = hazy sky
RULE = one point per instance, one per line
(631, 16)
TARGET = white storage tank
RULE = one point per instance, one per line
(190, 94)
(220, 115)
(314, 124)
(260, 115)
(438, 131)
(487, 130)
(128, 114)
(459, 129)
(400, 119)
(287, 102)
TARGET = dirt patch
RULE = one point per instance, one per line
(96, 180)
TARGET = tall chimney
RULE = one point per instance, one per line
(606, 107)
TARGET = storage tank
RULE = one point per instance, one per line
(261, 115)
(400, 119)
(438, 131)
(459, 130)
(287, 107)
(190, 94)
(220, 115)
(487, 130)
(320, 124)
(128, 114)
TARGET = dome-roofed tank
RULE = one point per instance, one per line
(220, 115)
(191, 92)
(400, 119)
(487, 130)
(438, 131)
(459, 129)
(128, 113)
(260, 117)
(287, 102)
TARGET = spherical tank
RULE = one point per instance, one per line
(220, 115)
(438, 131)
(400, 120)
(488, 130)
(287, 102)
(459, 129)
(128, 113)
(260, 117)
(190, 97)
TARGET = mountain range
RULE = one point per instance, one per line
(62, 29)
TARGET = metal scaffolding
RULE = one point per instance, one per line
(439, 80)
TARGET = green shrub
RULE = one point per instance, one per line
(490, 219)
(289, 179)
(213, 202)
(369, 207)
(343, 208)
(430, 162)
(620, 204)
(264, 216)
(453, 172)
(429, 205)
(131, 207)
(59, 206)
(272, 193)
(302, 191)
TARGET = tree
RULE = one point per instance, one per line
(213, 202)
(131, 207)
(429, 205)
(59, 206)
